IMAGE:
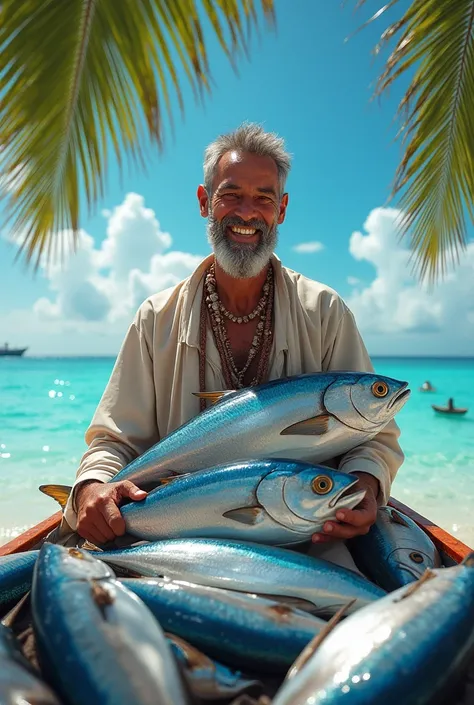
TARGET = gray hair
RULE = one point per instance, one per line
(248, 137)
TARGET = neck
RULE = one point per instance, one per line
(239, 296)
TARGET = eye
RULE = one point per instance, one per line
(416, 557)
(322, 484)
(75, 553)
(230, 196)
(380, 389)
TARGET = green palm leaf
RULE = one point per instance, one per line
(434, 42)
(82, 78)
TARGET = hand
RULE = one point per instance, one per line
(353, 522)
(98, 516)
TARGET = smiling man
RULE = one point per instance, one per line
(240, 319)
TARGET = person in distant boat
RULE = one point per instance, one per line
(272, 323)
(427, 387)
(450, 404)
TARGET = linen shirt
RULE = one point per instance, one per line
(149, 393)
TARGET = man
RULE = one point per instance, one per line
(240, 319)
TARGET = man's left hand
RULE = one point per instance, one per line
(353, 522)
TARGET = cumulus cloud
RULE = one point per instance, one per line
(395, 302)
(353, 281)
(108, 283)
(308, 247)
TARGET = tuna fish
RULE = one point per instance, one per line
(243, 630)
(16, 574)
(98, 642)
(267, 501)
(395, 552)
(405, 648)
(318, 585)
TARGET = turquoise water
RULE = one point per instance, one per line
(46, 405)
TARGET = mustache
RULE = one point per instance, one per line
(255, 223)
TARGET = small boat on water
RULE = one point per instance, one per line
(7, 351)
(450, 409)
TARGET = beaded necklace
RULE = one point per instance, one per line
(212, 307)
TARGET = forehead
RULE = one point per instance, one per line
(246, 169)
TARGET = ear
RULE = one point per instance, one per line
(203, 199)
(283, 207)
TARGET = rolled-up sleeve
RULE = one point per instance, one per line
(382, 456)
(124, 424)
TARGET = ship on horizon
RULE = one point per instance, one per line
(7, 351)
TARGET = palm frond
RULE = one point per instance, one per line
(434, 42)
(80, 78)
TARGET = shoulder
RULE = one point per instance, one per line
(315, 297)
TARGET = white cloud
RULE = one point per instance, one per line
(108, 283)
(353, 281)
(308, 247)
(395, 302)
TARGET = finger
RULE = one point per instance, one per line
(343, 531)
(128, 489)
(357, 517)
(113, 517)
(101, 526)
(90, 533)
(321, 538)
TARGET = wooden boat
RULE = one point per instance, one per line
(452, 549)
(6, 351)
(450, 411)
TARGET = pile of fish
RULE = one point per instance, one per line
(215, 598)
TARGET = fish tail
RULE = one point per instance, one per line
(58, 492)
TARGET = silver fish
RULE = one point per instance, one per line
(396, 551)
(405, 648)
(312, 417)
(16, 574)
(243, 630)
(267, 501)
(208, 679)
(94, 633)
(19, 684)
(320, 586)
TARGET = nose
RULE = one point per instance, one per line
(246, 209)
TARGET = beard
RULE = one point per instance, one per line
(239, 259)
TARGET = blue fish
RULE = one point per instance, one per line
(395, 552)
(244, 631)
(97, 642)
(406, 648)
(267, 501)
(315, 584)
(16, 574)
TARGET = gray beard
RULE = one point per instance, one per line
(238, 259)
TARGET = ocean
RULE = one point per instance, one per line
(46, 405)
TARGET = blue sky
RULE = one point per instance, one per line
(313, 88)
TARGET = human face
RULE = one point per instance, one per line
(243, 212)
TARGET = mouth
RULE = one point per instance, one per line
(401, 397)
(347, 497)
(238, 233)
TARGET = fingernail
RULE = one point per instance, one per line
(340, 515)
(328, 528)
(316, 538)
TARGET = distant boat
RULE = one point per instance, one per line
(6, 351)
(449, 409)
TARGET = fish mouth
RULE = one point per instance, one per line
(346, 496)
(402, 395)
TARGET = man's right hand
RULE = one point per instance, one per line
(98, 517)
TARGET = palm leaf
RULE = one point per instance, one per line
(434, 42)
(82, 78)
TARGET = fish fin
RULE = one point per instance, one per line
(291, 602)
(302, 659)
(246, 515)
(12, 615)
(195, 659)
(170, 478)
(427, 575)
(58, 492)
(315, 426)
(397, 518)
(89, 546)
(213, 397)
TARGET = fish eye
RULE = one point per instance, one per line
(322, 484)
(380, 389)
(416, 557)
(76, 554)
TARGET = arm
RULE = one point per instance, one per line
(124, 424)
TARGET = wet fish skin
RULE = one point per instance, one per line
(395, 552)
(268, 501)
(93, 632)
(16, 574)
(423, 631)
(249, 567)
(208, 679)
(18, 682)
(243, 630)
(260, 422)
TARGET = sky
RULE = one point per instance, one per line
(305, 82)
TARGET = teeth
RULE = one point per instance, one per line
(244, 231)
